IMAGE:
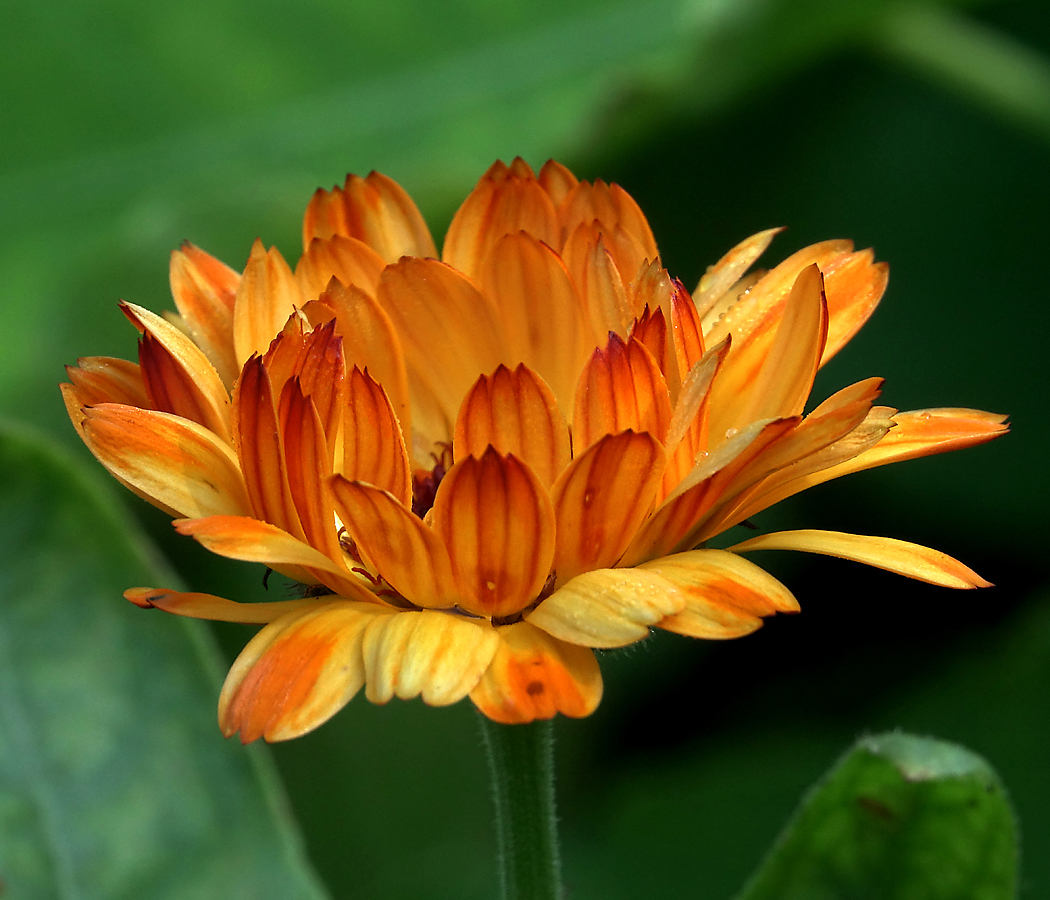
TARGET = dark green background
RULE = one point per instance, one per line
(922, 131)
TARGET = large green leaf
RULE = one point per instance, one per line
(114, 779)
(900, 817)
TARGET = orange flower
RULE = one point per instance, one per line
(484, 466)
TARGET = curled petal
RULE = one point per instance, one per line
(685, 330)
(267, 295)
(204, 290)
(726, 594)
(902, 557)
(373, 446)
(351, 262)
(175, 464)
(514, 411)
(602, 498)
(375, 210)
(409, 555)
(104, 379)
(557, 181)
(617, 216)
(608, 607)
(215, 609)
(297, 672)
(621, 387)
(598, 282)
(854, 285)
(438, 656)
(535, 676)
(498, 524)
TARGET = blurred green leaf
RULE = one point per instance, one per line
(900, 817)
(114, 779)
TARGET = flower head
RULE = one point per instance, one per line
(484, 466)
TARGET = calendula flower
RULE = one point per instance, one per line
(484, 466)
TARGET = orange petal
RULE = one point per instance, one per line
(349, 261)
(673, 526)
(371, 342)
(261, 449)
(373, 447)
(770, 375)
(602, 498)
(712, 294)
(309, 468)
(438, 656)
(296, 673)
(268, 294)
(408, 555)
(498, 524)
(687, 431)
(175, 464)
(177, 373)
(535, 676)
(375, 210)
(854, 286)
(505, 201)
(557, 181)
(621, 387)
(514, 412)
(598, 282)
(685, 330)
(618, 217)
(608, 607)
(545, 321)
(104, 379)
(450, 332)
(208, 606)
(204, 290)
(320, 372)
(902, 557)
(726, 594)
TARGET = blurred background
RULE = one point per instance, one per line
(920, 129)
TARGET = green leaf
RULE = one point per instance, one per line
(114, 779)
(900, 817)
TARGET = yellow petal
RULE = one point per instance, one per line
(450, 333)
(535, 676)
(175, 464)
(439, 656)
(204, 290)
(267, 295)
(712, 295)
(531, 288)
(726, 594)
(505, 201)
(621, 387)
(608, 607)
(406, 552)
(514, 411)
(208, 606)
(498, 524)
(602, 498)
(902, 557)
(296, 673)
(375, 210)
(349, 261)
(373, 446)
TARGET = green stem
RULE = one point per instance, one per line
(521, 763)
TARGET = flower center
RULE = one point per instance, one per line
(425, 482)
